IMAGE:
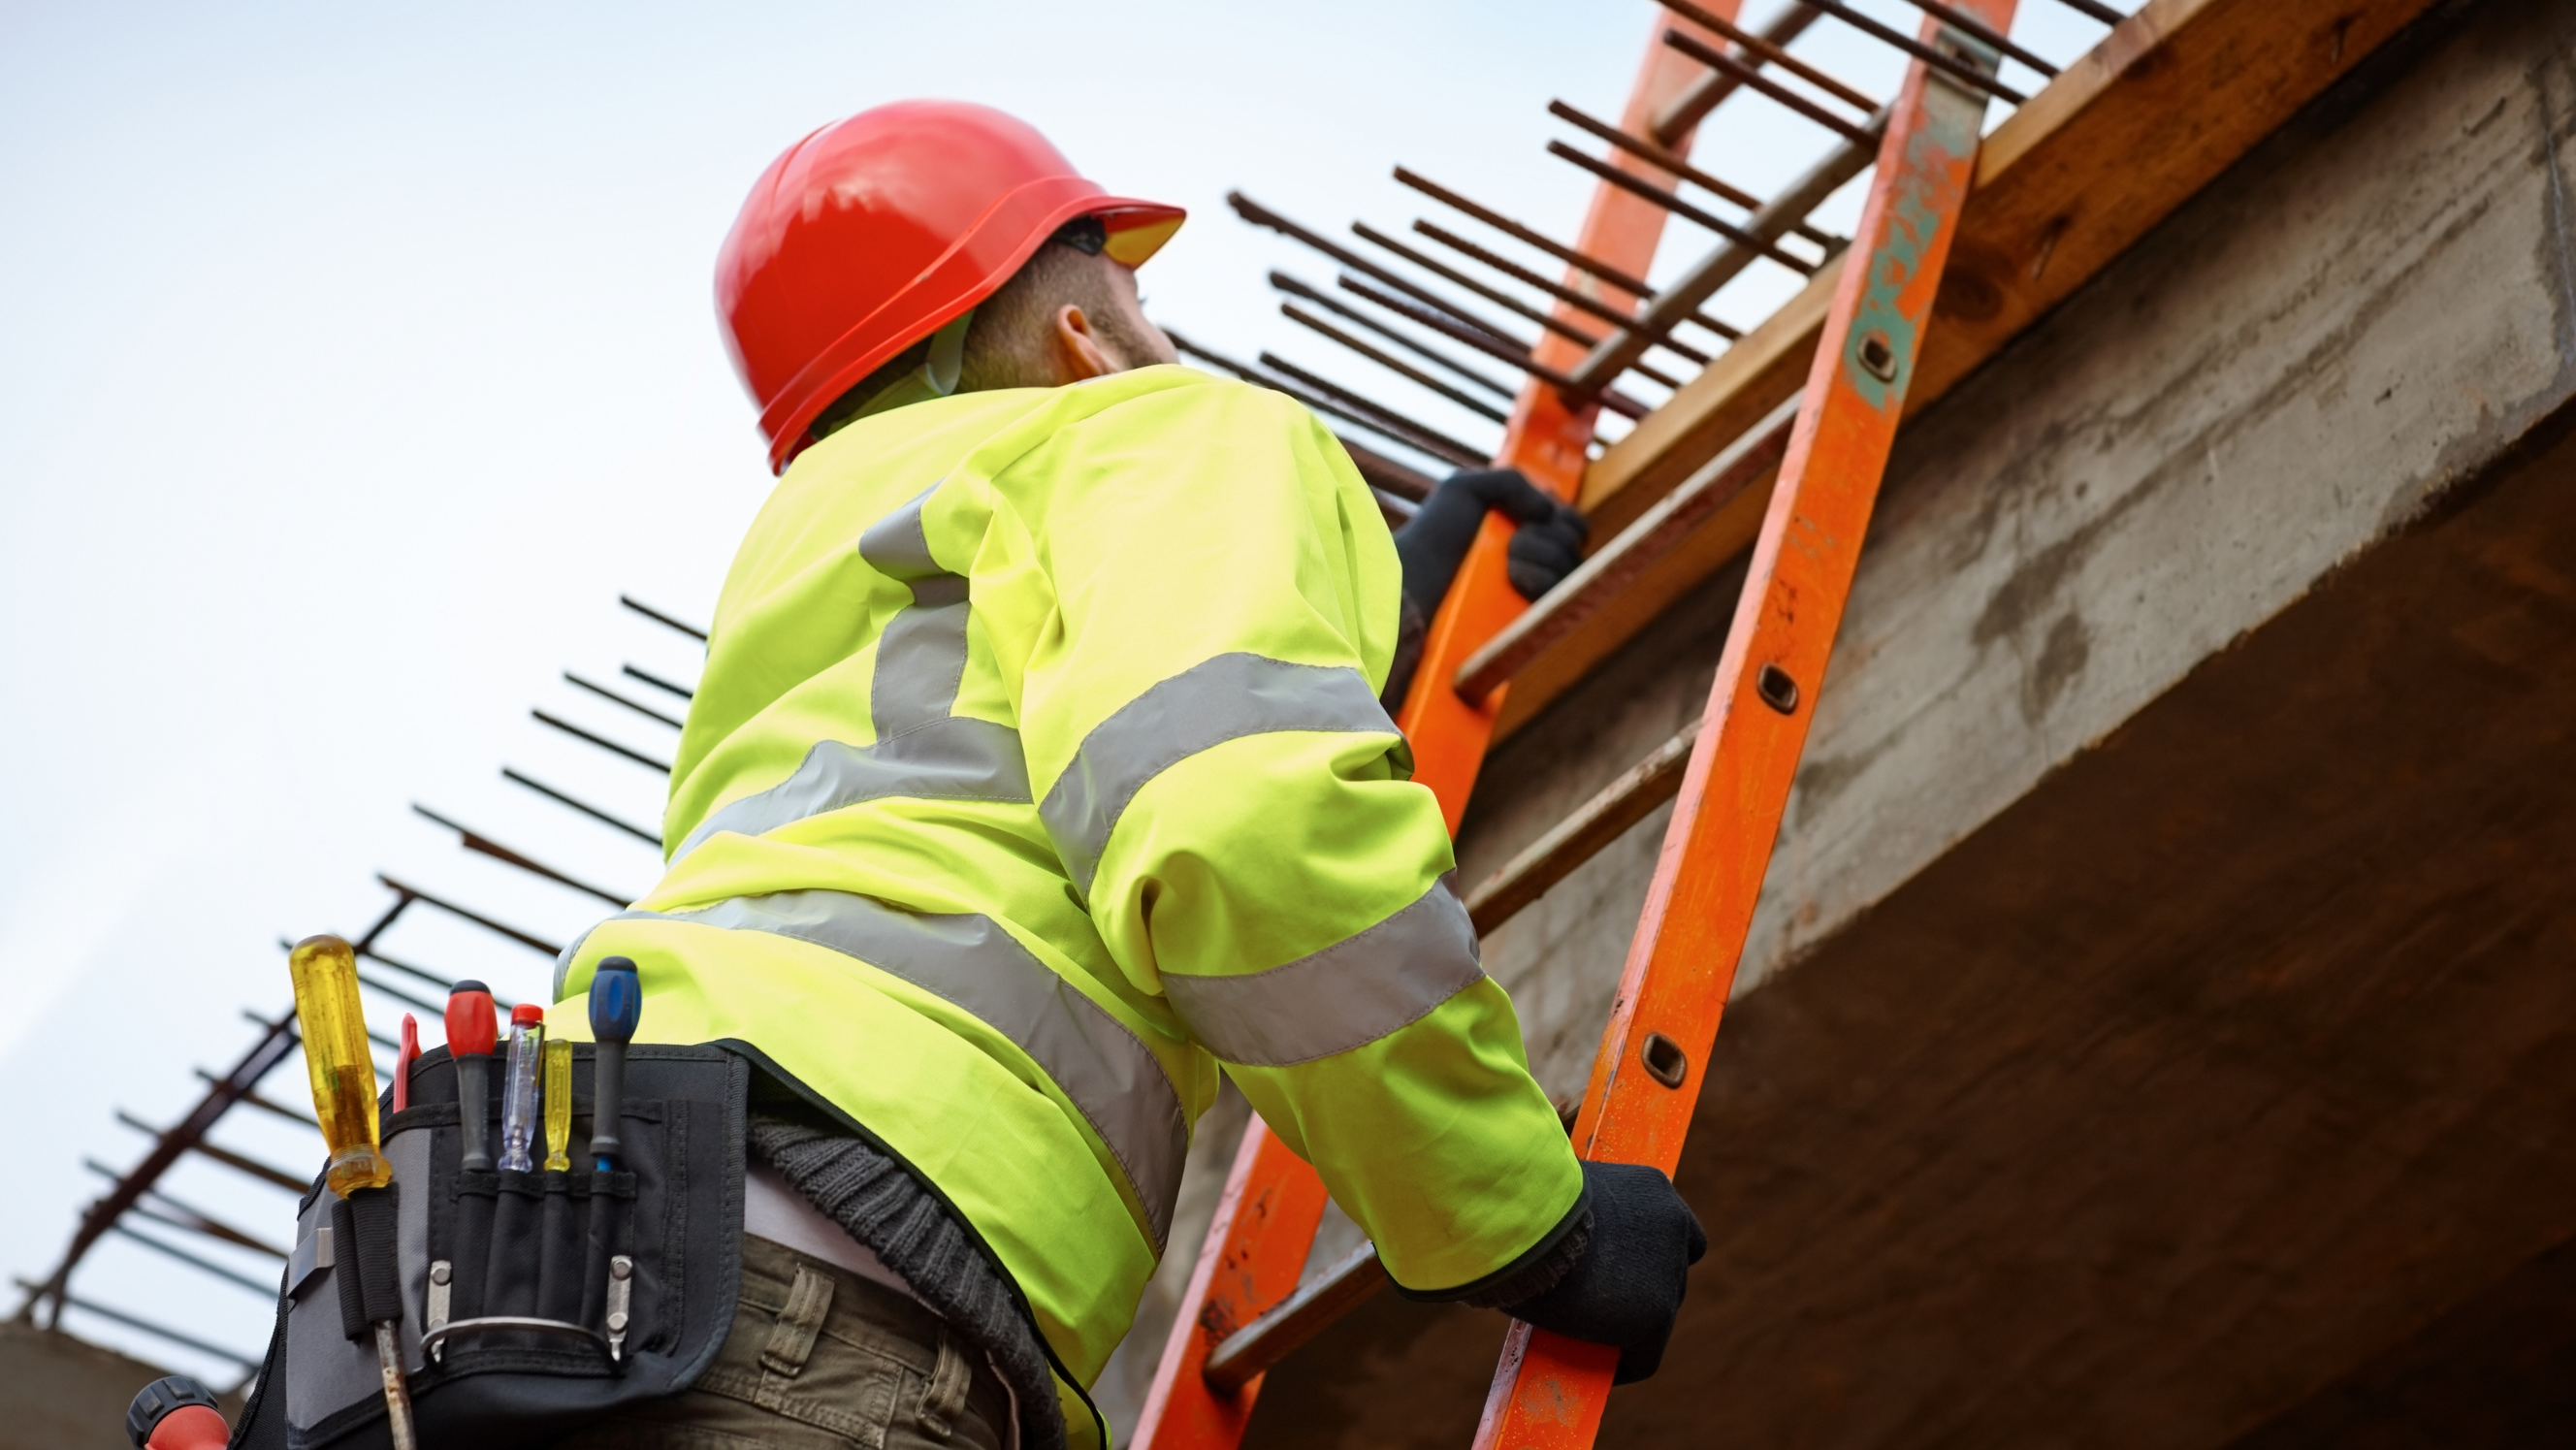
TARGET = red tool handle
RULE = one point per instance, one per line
(403, 1060)
(190, 1427)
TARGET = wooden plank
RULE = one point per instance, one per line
(2171, 98)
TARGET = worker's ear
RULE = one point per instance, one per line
(1079, 352)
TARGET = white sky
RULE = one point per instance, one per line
(355, 362)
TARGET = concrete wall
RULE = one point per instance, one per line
(2367, 311)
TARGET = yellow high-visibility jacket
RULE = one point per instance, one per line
(1037, 770)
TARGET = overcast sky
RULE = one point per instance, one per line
(354, 361)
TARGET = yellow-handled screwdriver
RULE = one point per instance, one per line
(334, 1027)
(558, 1097)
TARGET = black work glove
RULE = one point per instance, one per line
(1547, 546)
(1627, 1287)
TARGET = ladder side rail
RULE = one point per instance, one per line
(1549, 1392)
(1546, 438)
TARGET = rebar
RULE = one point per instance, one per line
(1408, 486)
(1669, 201)
(1316, 401)
(1295, 288)
(1611, 398)
(1686, 110)
(1663, 156)
(418, 1004)
(226, 1156)
(63, 1301)
(209, 1266)
(1262, 216)
(1929, 55)
(532, 943)
(1958, 19)
(1557, 290)
(1490, 293)
(1442, 445)
(2095, 9)
(658, 617)
(1400, 368)
(1726, 263)
(657, 682)
(1520, 233)
(265, 1104)
(605, 693)
(276, 1040)
(1716, 59)
(423, 975)
(602, 741)
(649, 838)
(1766, 50)
(193, 1218)
(475, 841)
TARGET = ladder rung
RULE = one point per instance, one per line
(1264, 1342)
(1581, 836)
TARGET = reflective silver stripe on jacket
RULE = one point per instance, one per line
(1210, 703)
(956, 758)
(1348, 995)
(921, 657)
(970, 961)
(921, 749)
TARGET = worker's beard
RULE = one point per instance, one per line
(1117, 335)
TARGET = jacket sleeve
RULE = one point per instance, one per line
(1233, 804)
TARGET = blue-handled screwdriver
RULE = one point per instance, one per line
(616, 1006)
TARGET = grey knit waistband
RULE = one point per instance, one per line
(897, 1217)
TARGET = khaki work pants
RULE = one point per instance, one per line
(821, 1359)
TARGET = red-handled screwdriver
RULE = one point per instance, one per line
(471, 1032)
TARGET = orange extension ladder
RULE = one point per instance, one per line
(1549, 1393)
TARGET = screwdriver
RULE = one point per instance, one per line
(616, 1006)
(470, 1034)
(334, 1028)
(336, 1058)
(558, 1107)
(519, 1088)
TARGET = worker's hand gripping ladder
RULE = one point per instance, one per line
(1551, 1391)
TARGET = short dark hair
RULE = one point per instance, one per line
(1006, 343)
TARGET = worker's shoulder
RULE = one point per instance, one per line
(1170, 395)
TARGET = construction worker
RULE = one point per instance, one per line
(1039, 773)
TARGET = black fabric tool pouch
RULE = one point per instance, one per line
(531, 1302)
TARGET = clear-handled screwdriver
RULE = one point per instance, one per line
(519, 1088)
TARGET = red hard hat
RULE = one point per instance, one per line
(873, 233)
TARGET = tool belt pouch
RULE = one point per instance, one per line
(530, 1302)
